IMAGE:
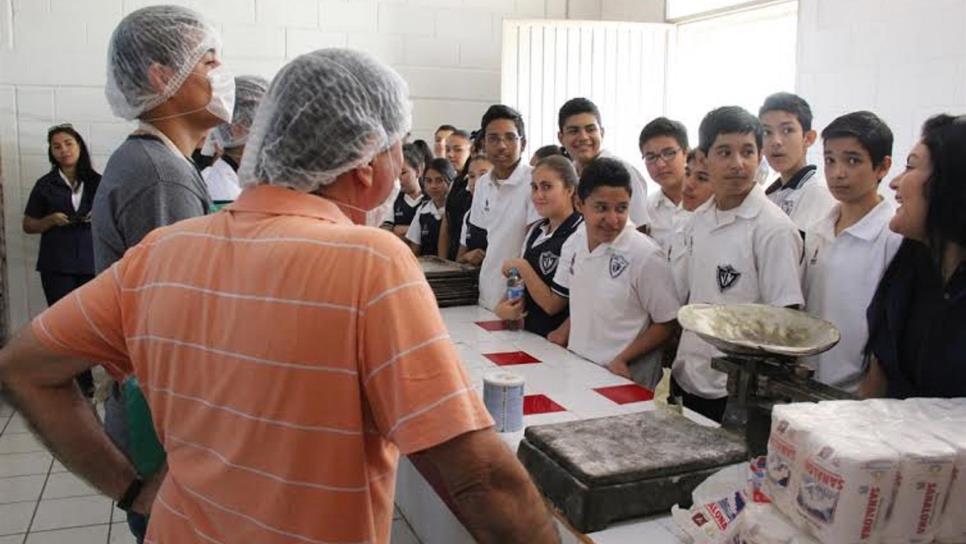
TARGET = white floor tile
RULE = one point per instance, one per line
(17, 425)
(402, 534)
(21, 488)
(24, 464)
(12, 539)
(73, 512)
(58, 467)
(395, 512)
(15, 518)
(20, 443)
(120, 534)
(96, 534)
(64, 484)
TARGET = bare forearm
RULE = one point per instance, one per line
(68, 426)
(35, 226)
(540, 292)
(442, 250)
(42, 387)
(649, 339)
(492, 492)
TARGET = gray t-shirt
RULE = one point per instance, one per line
(145, 186)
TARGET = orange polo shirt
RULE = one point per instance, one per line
(288, 356)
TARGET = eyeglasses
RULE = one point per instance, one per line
(496, 139)
(665, 155)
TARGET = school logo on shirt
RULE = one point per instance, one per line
(548, 263)
(727, 277)
(618, 264)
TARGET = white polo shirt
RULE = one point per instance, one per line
(750, 254)
(666, 218)
(638, 210)
(808, 199)
(615, 291)
(678, 248)
(841, 276)
(504, 210)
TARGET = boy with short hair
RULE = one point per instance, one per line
(697, 191)
(664, 146)
(848, 251)
(622, 299)
(799, 191)
(742, 249)
(581, 134)
(501, 203)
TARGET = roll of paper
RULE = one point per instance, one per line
(503, 397)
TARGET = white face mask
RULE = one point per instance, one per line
(222, 102)
(377, 215)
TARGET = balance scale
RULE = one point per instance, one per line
(761, 348)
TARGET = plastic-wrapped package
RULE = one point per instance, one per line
(953, 522)
(844, 483)
(715, 522)
(922, 484)
(790, 423)
(765, 524)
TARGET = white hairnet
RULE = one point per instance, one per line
(325, 113)
(249, 91)
(171, 36)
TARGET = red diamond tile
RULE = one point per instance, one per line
(624, 394)
(496, 325)
(511, 358)
(540, 404)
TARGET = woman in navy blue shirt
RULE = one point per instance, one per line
(917, 318)
(59, 209)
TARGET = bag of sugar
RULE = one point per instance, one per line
(844, 482)
(922, 483)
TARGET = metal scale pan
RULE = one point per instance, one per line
(761, 346)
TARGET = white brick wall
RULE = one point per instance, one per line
(448, 50)
(904, 62)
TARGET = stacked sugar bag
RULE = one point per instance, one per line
(886, 471)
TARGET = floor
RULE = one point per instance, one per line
(42, 503)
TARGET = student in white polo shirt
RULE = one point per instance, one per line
(501, 203)
(623, 304)
(742, 249)
(848, 251)
(423, 233)
(582, 134)
(697, 191)
(664, 146)
(800, 191)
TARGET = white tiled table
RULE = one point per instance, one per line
(564, 377)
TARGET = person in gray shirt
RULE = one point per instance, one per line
(163, 69)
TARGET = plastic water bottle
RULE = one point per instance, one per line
(514, 291)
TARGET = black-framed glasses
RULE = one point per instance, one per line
(665, 155)
(496, 139)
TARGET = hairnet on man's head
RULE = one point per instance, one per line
(170, 36)
(325, 113)
(249, 91)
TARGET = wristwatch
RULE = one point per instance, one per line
(131, 493)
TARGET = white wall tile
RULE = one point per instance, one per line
(464, 24)
(386, 47)
(355, 16)
(290, 13)
(36, 103)
(82, 104)
(298, 41)
(481, 85)
(405, 19)
(254, 41)
(437, 52)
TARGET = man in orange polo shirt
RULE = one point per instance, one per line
(287, 354)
